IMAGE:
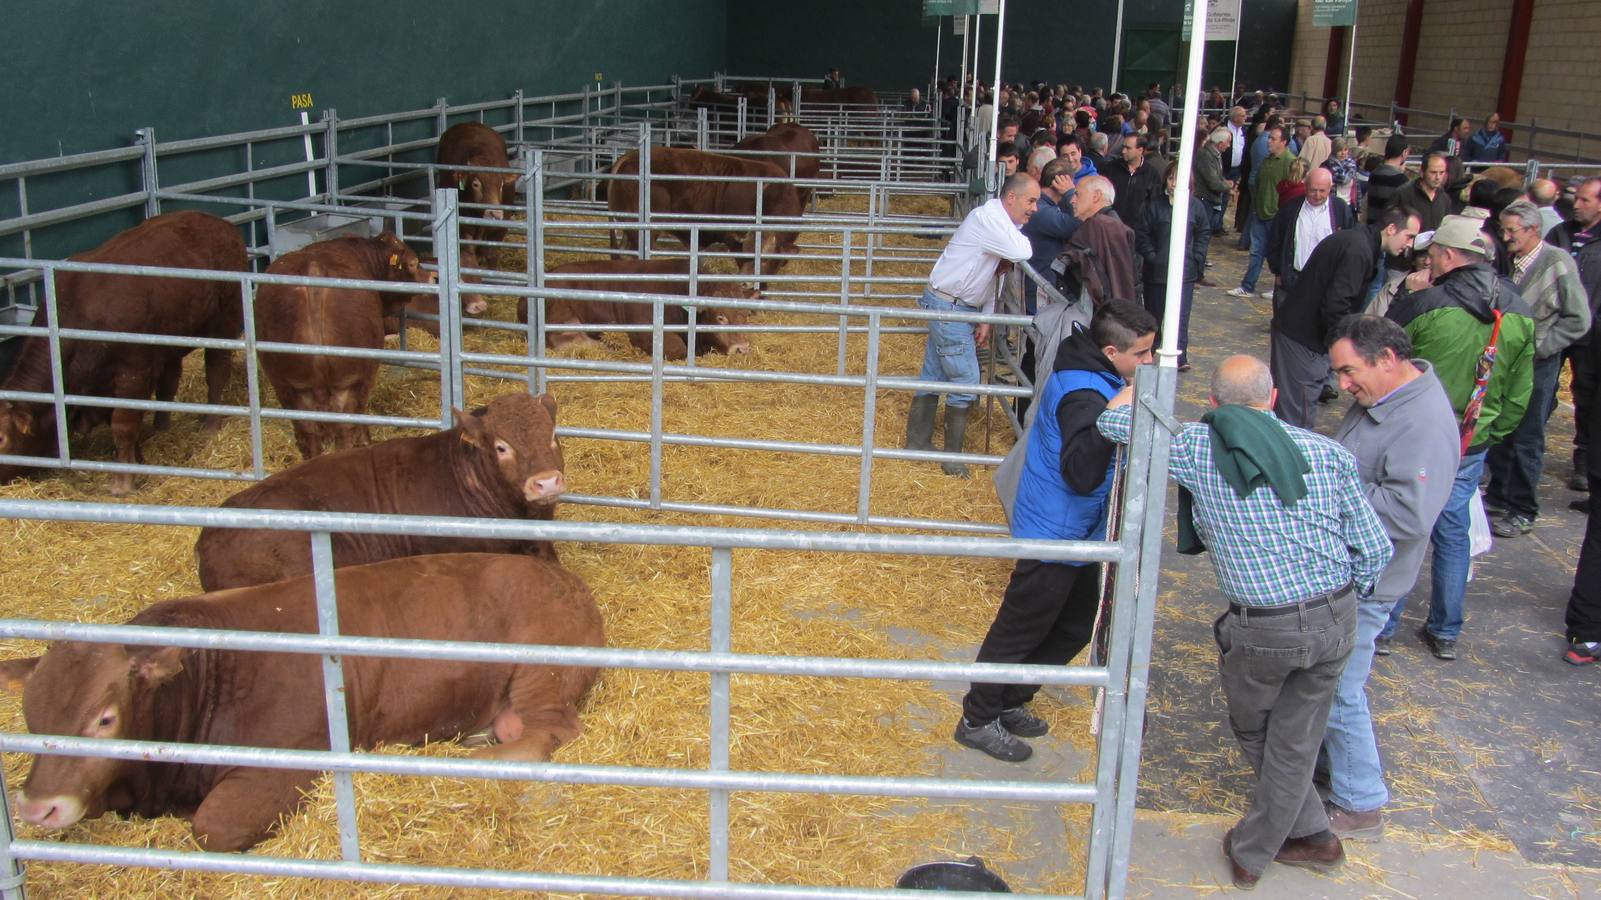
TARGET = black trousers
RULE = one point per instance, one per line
(1584, 604)
(1579, 357)
(1046, 618)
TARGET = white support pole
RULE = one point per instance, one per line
(1117, 46)
(1169, 354)
(939, 31)
(962, 85)
(995, 108)
(1350, 70)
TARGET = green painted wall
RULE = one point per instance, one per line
(85, 74)
(885, 44)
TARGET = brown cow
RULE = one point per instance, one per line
(253, 699)
(710, 194)
(471, 304)
(606, 312)
(137, 305)
(792, 148)
(476, 144)
(854, 99)
(501, 461)
(332, 317)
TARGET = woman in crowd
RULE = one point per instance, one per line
(1343, 167)
(1151, 242)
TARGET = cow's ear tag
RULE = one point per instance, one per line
(461, 185)
(394, 260)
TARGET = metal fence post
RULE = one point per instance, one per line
(617, 103)
(330, 149)
(844, 298)
(333, 685)
(721, 642)
(772, 106)
(656, 377)
(13, 874)
(739, 120)
(869, 241)
(717, 81)
(534, 261)
(702, 127)
(441, 121)
(589, 143)
(517, 101)
(146, 138)
(864, 484)
(447, 250)
(646, 236)
(58, 379)
(247, 296)
(694, 291)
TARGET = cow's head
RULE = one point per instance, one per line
(492, 189)
(729, 341)
(515, 436)
(85, 690)
(401, 263)
(471, 304)
(21, 434)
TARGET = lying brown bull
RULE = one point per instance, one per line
(332, 317)
(133, 304)
(471, 304)
(276, 699)
(755, 98)
(710, 194)
(792, 148)
(476, 144)
(673, 278)
(501, 461)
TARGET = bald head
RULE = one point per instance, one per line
(1243, 380)
(1319, 184)
(1543, 192)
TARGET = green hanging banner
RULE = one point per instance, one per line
(950, 7)
(1333, 13)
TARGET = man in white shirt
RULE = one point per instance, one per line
(1301, 224)
(986, 244)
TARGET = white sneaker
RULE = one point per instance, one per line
(1239, 292)
(1267, 295)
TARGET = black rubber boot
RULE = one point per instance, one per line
(920, 422)
(955, 436)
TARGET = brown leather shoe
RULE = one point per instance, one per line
(1243, 879)
(1323, 852)
(1355, 826)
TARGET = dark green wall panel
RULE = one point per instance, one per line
(885, 44)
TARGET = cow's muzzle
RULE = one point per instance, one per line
(50, 812)
(544, 487)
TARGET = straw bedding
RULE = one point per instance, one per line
(652, 597)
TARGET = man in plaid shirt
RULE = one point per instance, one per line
(1294, 543)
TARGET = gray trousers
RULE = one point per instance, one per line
(1279, 674)
(1298, 373)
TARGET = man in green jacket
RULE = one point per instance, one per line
(1265, 205)
(1449, 314)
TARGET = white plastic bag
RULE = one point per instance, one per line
(1478, 527)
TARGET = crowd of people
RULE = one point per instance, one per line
(1444, 304)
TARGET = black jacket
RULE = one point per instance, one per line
(1133, 188)
(1151, 239)
(1334, 284)
(1589, 259)
(1085, 452)
(1281, 235)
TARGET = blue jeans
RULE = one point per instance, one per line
(1515, 463)
(1451, 559)
(1356, 777)
(950, 354)
(1256, 230)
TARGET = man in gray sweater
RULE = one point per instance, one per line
(1407, 445)
(1549, 281)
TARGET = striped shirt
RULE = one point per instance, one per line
(1264, 553)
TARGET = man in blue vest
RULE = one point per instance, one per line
(1048, 612)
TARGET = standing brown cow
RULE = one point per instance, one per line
(476, 144)
(672, 278)
(252, 699)
(501, 461)
(331, 317)
(792, 148)
(710, 194)
(137, 305)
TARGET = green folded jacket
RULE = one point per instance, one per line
(1250, 448)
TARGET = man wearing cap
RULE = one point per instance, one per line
(1449, 314)
(1548, 279)
(984, 246)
